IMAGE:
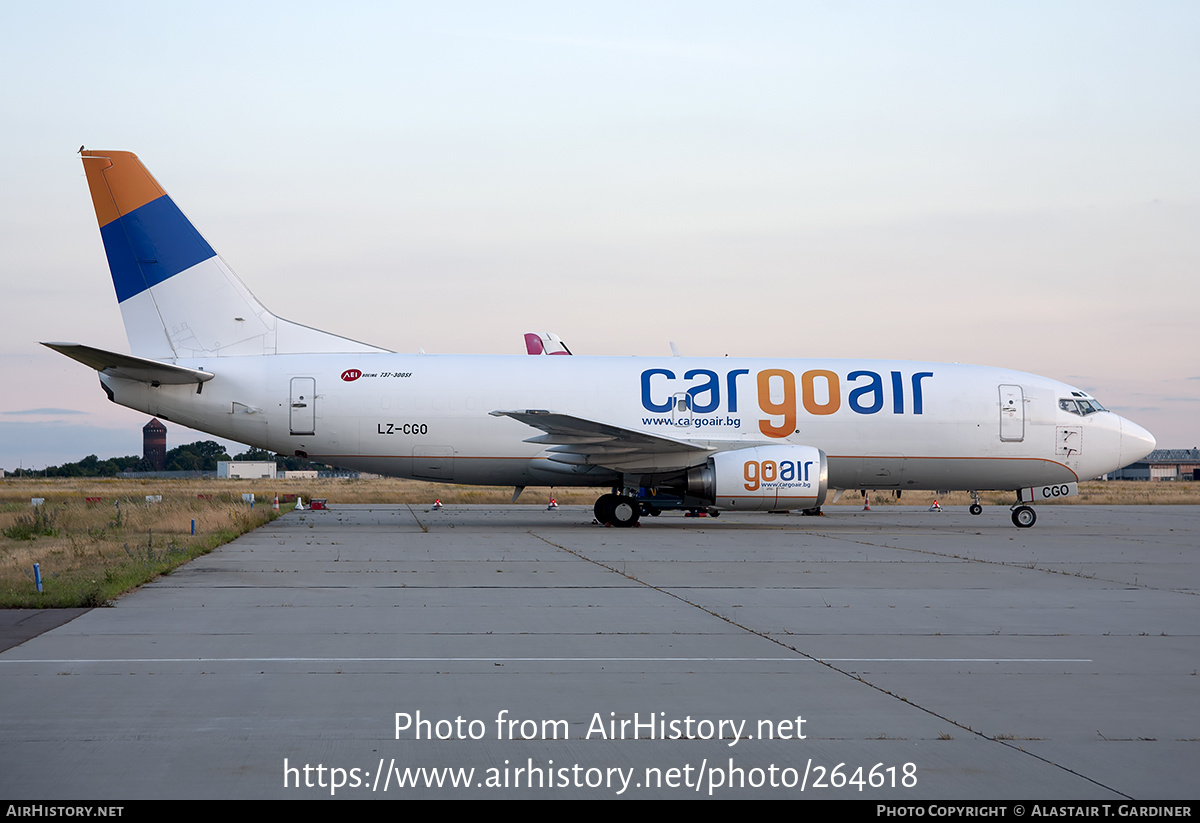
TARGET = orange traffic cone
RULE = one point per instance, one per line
(437, 504)
(935, 507)
(553, 504)
(866, 502)
(275, 505)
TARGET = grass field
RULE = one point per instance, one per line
(95, 539)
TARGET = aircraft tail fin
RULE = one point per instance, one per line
(178, 298)
(548, 343)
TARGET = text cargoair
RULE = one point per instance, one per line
(782, 395)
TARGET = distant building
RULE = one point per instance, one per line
(154, 444)
(247, 469)
(1163, 464)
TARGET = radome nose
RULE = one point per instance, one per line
(1136, 442)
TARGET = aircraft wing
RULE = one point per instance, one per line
(130, 367)
(578, 441)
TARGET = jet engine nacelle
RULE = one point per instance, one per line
(763, 478)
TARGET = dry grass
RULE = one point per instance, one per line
(90, 553)
(98, 550)
(15, 493)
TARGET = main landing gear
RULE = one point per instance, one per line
(975, 507)
(617, 510)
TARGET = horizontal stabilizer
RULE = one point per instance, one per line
(130, 367)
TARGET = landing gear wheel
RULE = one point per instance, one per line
(1023, 517)
(975, 507)
(624, 512)
(603, 508)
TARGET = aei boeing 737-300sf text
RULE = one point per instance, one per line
(722, 434)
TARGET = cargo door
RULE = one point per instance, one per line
(433, 462)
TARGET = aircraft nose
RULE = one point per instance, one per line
(1136, 442)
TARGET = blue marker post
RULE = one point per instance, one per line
(193, 527)
(37, 576)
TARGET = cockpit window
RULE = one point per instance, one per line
(1081, 406)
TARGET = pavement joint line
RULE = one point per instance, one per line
(424, 528)
(829, 665)
(1033, 567)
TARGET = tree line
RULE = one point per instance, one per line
(202, 455)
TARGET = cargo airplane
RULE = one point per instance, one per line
(719, 434)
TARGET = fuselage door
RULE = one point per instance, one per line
(1012, 413)
(303, 417)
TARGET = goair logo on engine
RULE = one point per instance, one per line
(781, 394)
(785, 474)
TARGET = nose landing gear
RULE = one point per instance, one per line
(975, 507)
(1023, 516)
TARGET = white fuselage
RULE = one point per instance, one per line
(883, 424)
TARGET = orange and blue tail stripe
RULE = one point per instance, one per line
(146, 237)
(178, 298)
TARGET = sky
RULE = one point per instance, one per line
(1012, 184)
